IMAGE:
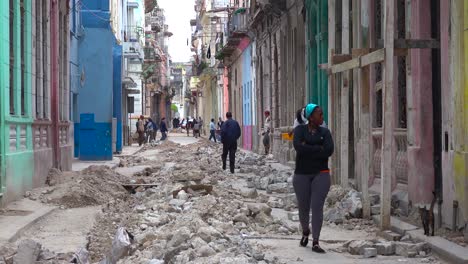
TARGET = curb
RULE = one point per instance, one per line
(446, 249)
(21, 231)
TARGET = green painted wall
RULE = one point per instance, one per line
(317, 53)
(17, 161)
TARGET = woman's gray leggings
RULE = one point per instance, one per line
(311, 191)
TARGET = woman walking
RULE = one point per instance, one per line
(313, 145)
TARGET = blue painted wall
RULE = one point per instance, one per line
(247, 97)
(117, 110)
(96, 92)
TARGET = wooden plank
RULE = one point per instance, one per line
(340, 58)
(417, 44)
(388, 141)
(356, 52)
(344, 124)
(373, 57)
(346, 66)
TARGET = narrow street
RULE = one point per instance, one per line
(179, 206)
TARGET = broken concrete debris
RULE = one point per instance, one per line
(197, 213)
(387, 248)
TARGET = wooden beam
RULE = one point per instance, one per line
(417, 44)
(413, 43)
(340, 58)
(346, 66)
(373, 57)
(359, 52)
(389, 97)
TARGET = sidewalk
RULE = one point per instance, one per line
(79, 165)
(20, 215)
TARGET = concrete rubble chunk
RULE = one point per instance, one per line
(390, 235)
(205, 251)
(278, 188)
(275, 202)
(352, 204)
(256, 208)
(28, 252)
(241, 218)
(406, 249)
(207, 233)
(182, 195)
(357, 247)
(156, 261)
(251, 193)
(293, 216)
(375, 209)
(370, 252)
(334, 215)
(385, 248)
(179, 237)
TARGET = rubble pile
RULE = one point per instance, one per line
(95, 185)
(184, 208)
(194, 226)
(372, 248)
(30, 251)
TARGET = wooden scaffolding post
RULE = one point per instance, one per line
(365, 122)
(388, 148)
(331, 83)
(344, 139)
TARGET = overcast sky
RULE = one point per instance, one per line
(178, 14)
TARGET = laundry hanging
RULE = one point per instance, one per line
(208, 53)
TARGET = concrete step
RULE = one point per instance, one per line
(444, 248)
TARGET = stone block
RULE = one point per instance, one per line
(406, 249)
(385, 248)
(293, 216)
(28, 252)
(357, 247)
(278, 188)
(390, 235)
(375, 209)
(370, 252)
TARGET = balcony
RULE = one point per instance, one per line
(133, 34)
(239, 23)
(151, 55)
(236, 30)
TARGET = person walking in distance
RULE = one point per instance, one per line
(230, 133)
(266, 132)
(212, 130)
(314, 145)
(163, 128)
(140, 125)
